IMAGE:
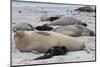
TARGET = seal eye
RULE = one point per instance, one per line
(19, 34)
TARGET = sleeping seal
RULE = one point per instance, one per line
(86, 9)
(53, 51)
(63, 21)
(43, 40)
(44, 27)
(51, 18)
(23, 26)
(74, 30)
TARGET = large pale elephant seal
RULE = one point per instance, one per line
(63, 21)
(75, 30)
(23, 26)
(42, 41)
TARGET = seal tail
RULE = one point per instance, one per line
(90, 46)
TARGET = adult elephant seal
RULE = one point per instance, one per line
(23, 26)
(67, 21)
(75, 30)
(42, 41)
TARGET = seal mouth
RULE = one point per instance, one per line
(19, 34)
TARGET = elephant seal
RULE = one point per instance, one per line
(63, 21)
(74, 30)
(51, 18)
(44, 27)
(53, 51)
(22, 26)
(41, 41)
(86, 9)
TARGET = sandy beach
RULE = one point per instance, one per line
(26, 58)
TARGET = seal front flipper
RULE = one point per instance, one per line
(48, 54)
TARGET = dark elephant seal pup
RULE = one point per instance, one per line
(44, 40)
(23, 26)
(75, 30)
(63, 21)
(53, 51)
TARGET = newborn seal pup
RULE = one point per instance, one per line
(45, 27)
(63, 21)
(41, 41)
(53, 51)
(22, 26)
(74, 30)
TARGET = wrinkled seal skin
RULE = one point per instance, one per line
(63, 21)
(32, 40)
(74, 30)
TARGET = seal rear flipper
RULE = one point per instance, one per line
(43, 57)
(88, 48)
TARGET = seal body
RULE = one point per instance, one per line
(53, 51)
(63, 21)
(75, 30)
(51, 18)
(86, 9)
(23, 26)
(42, 41)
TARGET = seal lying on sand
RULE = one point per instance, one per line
(42, 41)
(67, 21)
(53, 51)
(75, 30)
(51, 18)
(22, 26)
(86, 9)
